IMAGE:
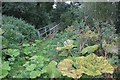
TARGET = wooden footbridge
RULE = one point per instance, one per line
(48, 31)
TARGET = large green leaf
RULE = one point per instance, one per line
(4, 73)
(89, 49)
(1, 31)
(13, 52)
(4, 69)
(34, 74)
(27, 50)
(52, 70)
(5, 66)
(25, 45)
(31, 67)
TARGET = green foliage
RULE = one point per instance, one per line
(34, 66)
(39, 13)
(30, 67)
(110, 48)
(39, 59)
(52, 70)
(25, 57)
(34, 74)
(4, 69)
(18, 29)
(1, 31)
(114, 60)
(97, 11)
(61, 8)
(13, 52)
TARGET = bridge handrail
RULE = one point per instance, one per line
(47, 26)
(51, 29)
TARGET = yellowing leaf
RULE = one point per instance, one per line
(67, 69)
(89, 34)
(91, 65)
(59, 48)
(70, 46)
(89, 49)
(68, 42)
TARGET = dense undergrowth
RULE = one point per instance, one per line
(79, 51)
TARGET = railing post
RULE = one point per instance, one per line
(38, 33)
(45, 32)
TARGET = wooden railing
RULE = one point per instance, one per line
(48, 31)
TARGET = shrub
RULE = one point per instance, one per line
(17, 30)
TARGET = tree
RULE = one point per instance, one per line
(118, 18)
(36, 13)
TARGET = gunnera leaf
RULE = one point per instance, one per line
(52, 70)
(93, 65)
(13, 52)
(67, 69)
(89, 49)
(4, 69)
(31, 67)
(34, 74)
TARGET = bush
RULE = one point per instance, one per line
(17, 30)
